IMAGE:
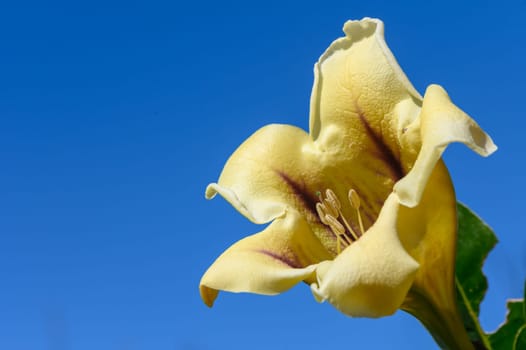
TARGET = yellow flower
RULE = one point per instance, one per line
(362, 208)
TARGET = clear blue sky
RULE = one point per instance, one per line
(115, 116)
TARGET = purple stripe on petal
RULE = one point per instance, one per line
(386, 154)
(285, 260)
(308, 199)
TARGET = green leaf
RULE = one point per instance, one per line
(475, 241)
(511, 335)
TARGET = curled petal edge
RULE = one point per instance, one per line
(440, 123)
(266, 212)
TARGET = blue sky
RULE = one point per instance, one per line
(116, 115)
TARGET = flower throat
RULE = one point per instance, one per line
(330, 214)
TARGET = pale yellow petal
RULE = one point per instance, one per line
(269, 262)
(441, 123)
(372, 276)
(357, 87)
(254, 179)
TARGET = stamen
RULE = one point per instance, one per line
(322, 212)
(330, 208)
(335, 225)
(354, 235)
(331, 198)
(354, 199)
(329, 212)
(338, 230)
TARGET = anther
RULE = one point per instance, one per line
(331, 197)
(330, 208)
(335, 225)
(354, 199)
(338, 230)
(322, 212)
(330, 214)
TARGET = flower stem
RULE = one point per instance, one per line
(445, 325)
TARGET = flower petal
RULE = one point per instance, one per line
(372, 276)
(357, 87)
(254, 178)
(269, 262)
(441, 123)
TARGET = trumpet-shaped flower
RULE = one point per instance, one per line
(362, 207)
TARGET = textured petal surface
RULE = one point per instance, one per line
(359, 88)
(372, 276)
(269, 262)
